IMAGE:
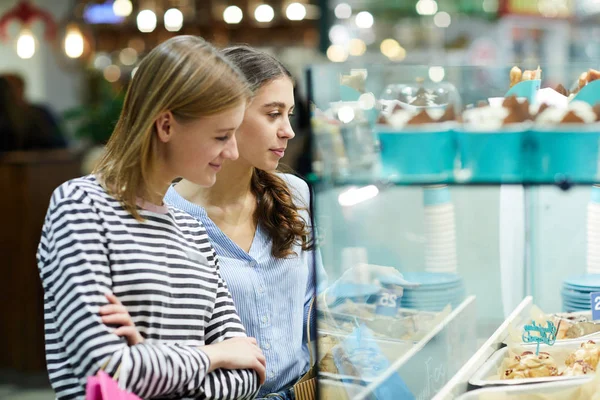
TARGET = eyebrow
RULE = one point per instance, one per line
(276, 104)
(225, 130)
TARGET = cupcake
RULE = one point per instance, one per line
(529, 365)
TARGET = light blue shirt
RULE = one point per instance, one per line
(271, 295)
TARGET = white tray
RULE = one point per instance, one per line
(510, 391)
(487, 375)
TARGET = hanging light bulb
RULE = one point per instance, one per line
(295, 12)
(74, 43)
(26, 44)
(264, 13)
(122, 8)
(146, 21)
(173, 20)
(233, 15)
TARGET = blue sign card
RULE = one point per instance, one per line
(595, 299)
(535, 333)
(388, 301)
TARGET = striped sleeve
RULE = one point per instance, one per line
(75, 272)
(225, 324)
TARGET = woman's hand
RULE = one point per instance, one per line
(115, 313)
(237, 353)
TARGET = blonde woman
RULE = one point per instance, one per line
(110, 234)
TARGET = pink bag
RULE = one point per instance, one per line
(103, 387)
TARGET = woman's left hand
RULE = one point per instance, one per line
(115, 313)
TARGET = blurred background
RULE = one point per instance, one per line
(65, 65)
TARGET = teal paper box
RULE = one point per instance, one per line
(527, 89)
(417, 153)
(492, 156)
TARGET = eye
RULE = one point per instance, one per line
(274, 115)
(222, 138)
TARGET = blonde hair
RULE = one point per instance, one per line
(184, 75)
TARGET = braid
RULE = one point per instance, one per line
(278, 215)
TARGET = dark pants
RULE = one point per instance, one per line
(286, 394)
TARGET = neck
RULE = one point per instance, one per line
(159, 184)
(233, 186)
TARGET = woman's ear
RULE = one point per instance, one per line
(165, 126)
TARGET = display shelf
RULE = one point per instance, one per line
(459, 383)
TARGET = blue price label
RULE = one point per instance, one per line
(387, 303)
(595, 298)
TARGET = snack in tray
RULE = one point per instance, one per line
(579, 367)
(517, 76)
(326, 343)
(588, 352)
(529, 365)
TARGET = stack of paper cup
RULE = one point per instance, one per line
(440, 230)
(593, 232)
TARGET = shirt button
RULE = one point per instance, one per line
(253, 263)
(261, 289)
(267, 346)
(271, 375)
(264, 319)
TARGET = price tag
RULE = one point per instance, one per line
(595, 298)
(388, 302)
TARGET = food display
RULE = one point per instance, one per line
(588, 353)
(530, 365)
(490, 118)
(407, 324)
(576, 112)
(517, 76)
(577, 368)
(585, 78)
(552, 362)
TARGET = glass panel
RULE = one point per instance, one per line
(471, 237)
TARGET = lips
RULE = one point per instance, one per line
(216, 167)
(278, 152)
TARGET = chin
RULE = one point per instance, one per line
(205, 181)
(268, 166)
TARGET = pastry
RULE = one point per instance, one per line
(579, 367)
(517, 76)
(422, 117)
(588, 352)
(529, 365)
(562, 90)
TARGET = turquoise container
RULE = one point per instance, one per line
(564, 153)
(497, 156)
(527, 89)
(417, 154)
(590, 93)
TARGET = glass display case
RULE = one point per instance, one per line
(446, 226)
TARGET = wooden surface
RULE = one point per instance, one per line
(27, 180)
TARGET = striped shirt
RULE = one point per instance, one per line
(164, 270)
(271, 295)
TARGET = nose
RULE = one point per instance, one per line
(286, 131)
(230, 152)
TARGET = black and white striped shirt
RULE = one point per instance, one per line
(164, 270)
